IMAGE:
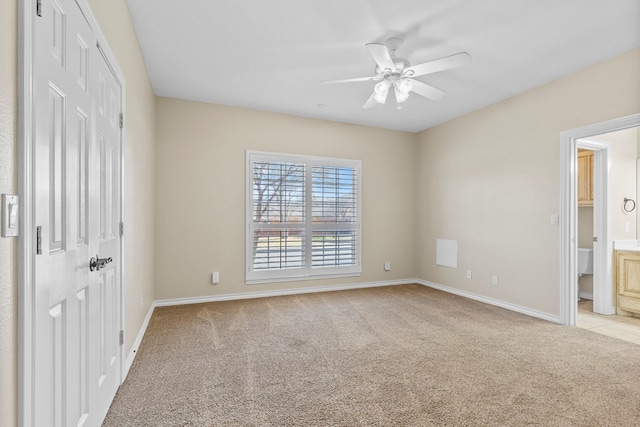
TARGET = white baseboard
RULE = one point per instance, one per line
(138, 341)
(513, 307)
(265, 294)
(586, 295)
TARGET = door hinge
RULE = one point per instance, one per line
(39, 8)
(121, 337)
(39, 240)
(121, 120)
(595, 239)
(121, 228)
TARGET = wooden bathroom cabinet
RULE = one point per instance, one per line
(585, 178)
(628, 281)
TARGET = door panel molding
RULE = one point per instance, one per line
(26, 188)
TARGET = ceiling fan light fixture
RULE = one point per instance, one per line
(402, 88)
(381, 90)
(400, 95)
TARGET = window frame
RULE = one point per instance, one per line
(308, 272)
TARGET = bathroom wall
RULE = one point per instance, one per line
(624, 153)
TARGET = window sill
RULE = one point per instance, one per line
(301, 278)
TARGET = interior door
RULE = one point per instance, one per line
(106, 305)
(76, 316)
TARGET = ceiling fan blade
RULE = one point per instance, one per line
(357, 79)
(447, 63)
(371, 102)
(427, 91)
(381, 55)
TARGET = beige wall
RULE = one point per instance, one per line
(200, 193)
(491, 180)
(139, 169)
(9, 185)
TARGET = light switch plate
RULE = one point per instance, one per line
(10, 215)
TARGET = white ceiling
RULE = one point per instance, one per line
(271, 54)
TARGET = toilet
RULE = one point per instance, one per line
(585, 264)
(585, 261)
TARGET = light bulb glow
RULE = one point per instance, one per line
(404, 85)
(381, 90)
(402, 88)
(400, 96)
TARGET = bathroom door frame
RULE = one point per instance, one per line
(570, 141)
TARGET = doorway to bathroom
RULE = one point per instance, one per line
(603, 288)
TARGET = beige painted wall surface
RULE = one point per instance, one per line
(200, 193)
(9, 185)
(139, 155)
(491, 180)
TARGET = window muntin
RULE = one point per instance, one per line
(303, 217)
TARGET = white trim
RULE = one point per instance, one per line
(266, 294)
(306, 272)
(137, 342)
(586, 295)
(568, 212)
(602, 265)
(491, 301)
(26, 17)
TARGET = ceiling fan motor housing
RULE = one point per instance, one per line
(399, 63)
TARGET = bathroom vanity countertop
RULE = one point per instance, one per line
(626, 245)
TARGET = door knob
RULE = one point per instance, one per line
(97, 263)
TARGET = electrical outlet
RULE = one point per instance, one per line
(469, 274)
(215, 278)
(387, 265)
(494, 280)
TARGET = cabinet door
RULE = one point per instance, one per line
(628, 280)
(585, 178)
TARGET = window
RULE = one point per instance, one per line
(303, 217)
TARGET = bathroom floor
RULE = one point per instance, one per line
(621, 327)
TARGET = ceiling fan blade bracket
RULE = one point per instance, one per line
(380, 54)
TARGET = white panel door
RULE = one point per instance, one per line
(106, 306)
(76, 311)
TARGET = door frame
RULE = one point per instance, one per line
(26, 248)
(570, 141)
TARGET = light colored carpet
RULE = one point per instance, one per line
(393, 356)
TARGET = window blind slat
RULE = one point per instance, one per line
(284, 193)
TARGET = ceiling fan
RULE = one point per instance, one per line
(397, 73)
